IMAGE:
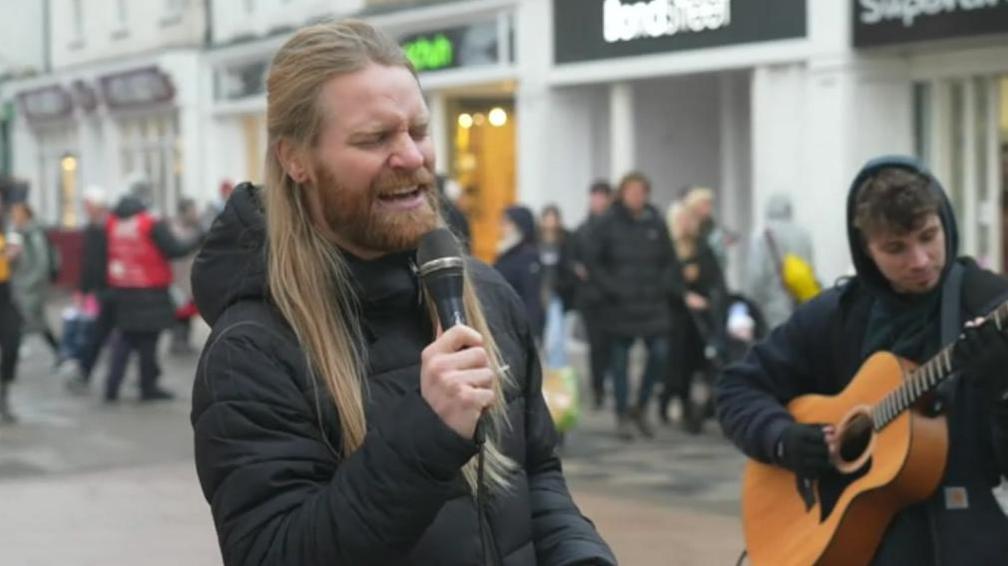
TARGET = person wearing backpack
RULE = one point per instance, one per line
(31, 275)
(766, 280)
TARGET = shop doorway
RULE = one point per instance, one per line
(483, 165)
(59, 169)
(961, 133)
(254, 133)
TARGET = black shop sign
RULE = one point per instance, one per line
(889, 22)
(588, 30)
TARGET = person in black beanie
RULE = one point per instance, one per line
(518, 261)
(588, 297)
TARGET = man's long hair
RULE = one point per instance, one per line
(308, 278)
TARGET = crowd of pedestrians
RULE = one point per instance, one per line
(128, 292)
(637, 276)
(631, 273)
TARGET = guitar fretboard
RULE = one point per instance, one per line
(924, 379)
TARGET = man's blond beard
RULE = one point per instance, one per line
(357, 218)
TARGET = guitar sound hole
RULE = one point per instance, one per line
(855, 437)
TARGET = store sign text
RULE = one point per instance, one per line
(430, 53)
(907, 11)
(659, 18)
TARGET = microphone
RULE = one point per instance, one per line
(441, 263)
(441, 266)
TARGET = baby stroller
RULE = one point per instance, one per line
(712, 340)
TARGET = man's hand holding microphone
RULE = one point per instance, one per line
(456, 379)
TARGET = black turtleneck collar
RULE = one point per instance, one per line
(387, 283)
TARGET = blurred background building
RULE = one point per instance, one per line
(23, 53)
(534, 99)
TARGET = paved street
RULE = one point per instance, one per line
(84, 483)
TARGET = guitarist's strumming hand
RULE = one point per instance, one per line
(806, 449)
(982, 350)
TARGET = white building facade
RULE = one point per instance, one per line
(756, 97)
(532, 100)
(120, 102)
(22, 54)
(681, 92)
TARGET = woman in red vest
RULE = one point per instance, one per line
(139, 275)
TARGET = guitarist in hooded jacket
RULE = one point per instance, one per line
(911, 296)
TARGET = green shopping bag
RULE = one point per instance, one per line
(560, 389)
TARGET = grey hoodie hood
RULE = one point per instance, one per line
(778, 208)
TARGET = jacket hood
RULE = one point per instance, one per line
(129, 206)
(524, 220)
(867, 271)
(232, 264)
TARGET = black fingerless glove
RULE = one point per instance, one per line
(982, 352)
(802, 449)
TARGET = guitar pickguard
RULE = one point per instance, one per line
(831, 486)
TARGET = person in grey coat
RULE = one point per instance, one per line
(762, 282)
(30, 276)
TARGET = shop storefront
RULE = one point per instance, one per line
(468, 77)
(146, 123)
(670, 89)
(48, 111)
(108, 126)
(954, 57)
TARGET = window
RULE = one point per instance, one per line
(150, 148)
(173, 12)
(123, 15)
(122, 28)
(77, 25)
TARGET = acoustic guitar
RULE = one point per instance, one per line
(890, 453)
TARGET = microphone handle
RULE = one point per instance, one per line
(452, 310)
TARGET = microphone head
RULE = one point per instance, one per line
(438, 250)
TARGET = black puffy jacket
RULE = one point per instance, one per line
(94, 260)
(632, 262)
(280, 495)
(521, 269)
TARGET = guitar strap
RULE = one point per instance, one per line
(778, 263)
(951, 326)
